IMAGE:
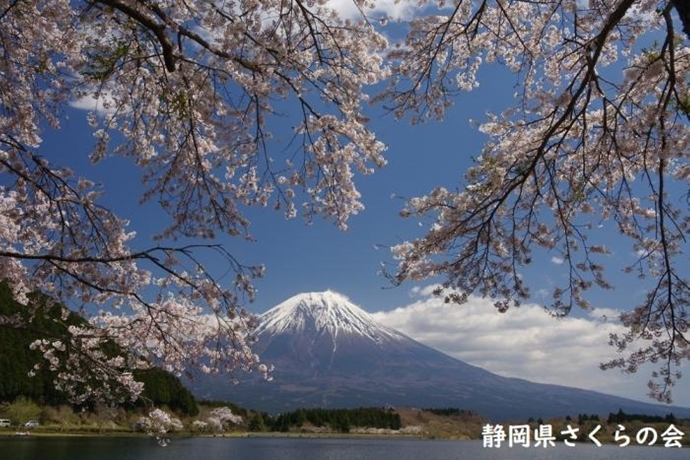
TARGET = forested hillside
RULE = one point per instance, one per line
(17, 360)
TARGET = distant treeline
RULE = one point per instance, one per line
(341, 420)
(581, 418)
(448, 411)
(622, 417)
(46, 322)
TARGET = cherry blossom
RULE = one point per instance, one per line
(158, 422)
(186, 91)
(597, 132)
(221, 417)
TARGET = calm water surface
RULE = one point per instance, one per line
(307, 449)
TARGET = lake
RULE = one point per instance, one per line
(263, 448)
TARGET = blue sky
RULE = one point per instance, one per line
(302, 257)
(307, 256)
(525, 343)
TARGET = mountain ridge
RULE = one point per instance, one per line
(329, 353)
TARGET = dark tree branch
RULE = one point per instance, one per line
(683, 9)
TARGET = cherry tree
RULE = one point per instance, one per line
(186, 91)
(221, 417)
(158, 422)
(597, 133)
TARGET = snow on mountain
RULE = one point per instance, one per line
(324, 313)
(328, 352)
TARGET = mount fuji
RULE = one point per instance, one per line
(329, 353)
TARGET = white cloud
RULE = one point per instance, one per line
(557, 260)
(104, 104)
(396, 10)
(524, 342)
(425, 291)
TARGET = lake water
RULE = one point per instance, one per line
(259, 448)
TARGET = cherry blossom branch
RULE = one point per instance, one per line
(559, 162)
(187, 91)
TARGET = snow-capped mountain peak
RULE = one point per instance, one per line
(329, 353)
(323, 312)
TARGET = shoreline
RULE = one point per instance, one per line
(87, 433)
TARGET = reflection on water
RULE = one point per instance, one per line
(259, 448)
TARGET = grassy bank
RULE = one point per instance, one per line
(428, 424)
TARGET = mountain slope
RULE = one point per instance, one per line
(329, 353)
(45, 321)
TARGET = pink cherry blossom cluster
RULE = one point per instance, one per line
(597, 134)
(187, 91)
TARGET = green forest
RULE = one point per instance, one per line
(17, 359)
(336, 419)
